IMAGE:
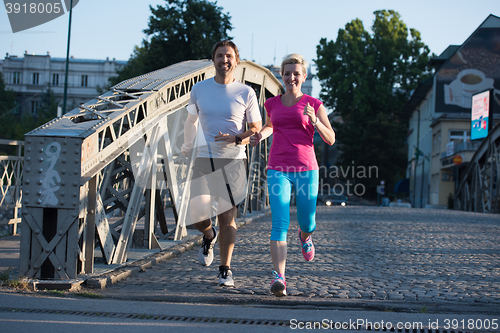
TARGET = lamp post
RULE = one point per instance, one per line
(67, 58)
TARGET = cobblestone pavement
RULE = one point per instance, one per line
(364, 255)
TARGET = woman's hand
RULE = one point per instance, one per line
(311, 113)
(255, 139)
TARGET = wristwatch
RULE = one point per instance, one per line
(237, 140)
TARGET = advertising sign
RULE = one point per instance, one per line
(473, 68)
(480, 115)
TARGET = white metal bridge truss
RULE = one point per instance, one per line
(478, 190)
(91, 175)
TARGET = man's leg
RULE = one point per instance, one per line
(200, 215)
(227, 235)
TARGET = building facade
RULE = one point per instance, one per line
(439, 140)
(32, 75)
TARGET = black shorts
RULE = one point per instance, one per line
(220, 178)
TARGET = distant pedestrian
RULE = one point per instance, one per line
(292, 118)
(219, 108)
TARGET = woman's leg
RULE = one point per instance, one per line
(306, 191)
(279, 189)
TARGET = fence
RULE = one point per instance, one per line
(10, 183)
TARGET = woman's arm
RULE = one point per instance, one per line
(263, 134)
(323, 125)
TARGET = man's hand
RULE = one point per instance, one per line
(186, 148)
(225, 139)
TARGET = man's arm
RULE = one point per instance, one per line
(226, 139)
(190, 128)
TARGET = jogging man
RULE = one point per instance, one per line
(218, 110)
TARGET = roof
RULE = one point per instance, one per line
(445, 55)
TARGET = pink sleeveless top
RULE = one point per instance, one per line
(292, 148)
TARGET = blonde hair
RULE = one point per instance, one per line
(292, 59)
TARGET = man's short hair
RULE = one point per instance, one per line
(229, 43)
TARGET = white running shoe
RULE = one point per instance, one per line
(226, 278)
(206, 254)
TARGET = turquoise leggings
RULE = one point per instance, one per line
(279, 185)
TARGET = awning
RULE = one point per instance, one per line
(403, 186)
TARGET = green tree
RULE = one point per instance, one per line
(367, 79)
(13, 126)
(7, 108)
(181, 30)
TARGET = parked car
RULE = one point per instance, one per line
(335, 199)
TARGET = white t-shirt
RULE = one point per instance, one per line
(222, 108)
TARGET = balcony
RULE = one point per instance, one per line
(463, 146)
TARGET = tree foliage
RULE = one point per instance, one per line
(181, 30)
(367, 79)
(13, 126)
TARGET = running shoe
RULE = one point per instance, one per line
(278, 286)
(206, 254)
(225, 277)
(307, 247)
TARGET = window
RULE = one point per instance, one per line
(16, 78)
(459, 136)
(55, 79)
(34, 107)
(85, 79)
(36, 78)
(436, 143)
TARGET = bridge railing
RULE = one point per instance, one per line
(119, 156)
(11, 166)
(479, 187)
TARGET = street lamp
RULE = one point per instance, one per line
(67, 58)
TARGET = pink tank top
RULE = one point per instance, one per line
(292, 148)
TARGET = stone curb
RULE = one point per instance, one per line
(120, 273)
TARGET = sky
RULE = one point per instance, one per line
(264, 30)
